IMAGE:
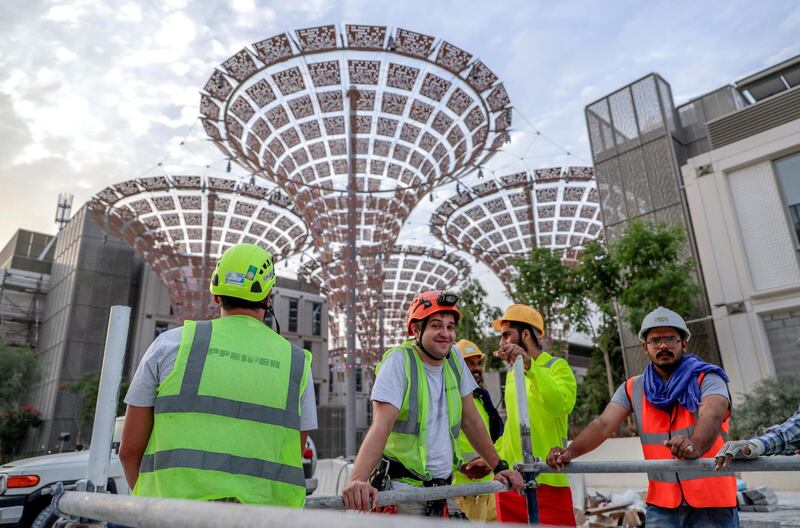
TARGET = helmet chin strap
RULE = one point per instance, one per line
(419, 344)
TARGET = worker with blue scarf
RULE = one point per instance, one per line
(681, 405)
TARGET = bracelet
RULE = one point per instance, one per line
(501, 466)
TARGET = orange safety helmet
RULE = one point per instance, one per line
(430, 302)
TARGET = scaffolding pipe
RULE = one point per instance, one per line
(107, 396)
(352, 266)
(611, 466)
(146, 512)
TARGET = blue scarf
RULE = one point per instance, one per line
(681, 386)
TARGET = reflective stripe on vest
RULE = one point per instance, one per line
(190, 401)
(550, 362)
(253, 467)
(454, 366)
(411, 424)
(670, 489)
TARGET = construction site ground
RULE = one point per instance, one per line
(787, 514)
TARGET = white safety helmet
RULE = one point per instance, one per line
(663, 317)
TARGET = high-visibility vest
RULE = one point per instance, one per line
(227, 418)
(468, 452)
(551, 390)
(668, 489)
(407, 442)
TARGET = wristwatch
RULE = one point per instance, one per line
(501, 466)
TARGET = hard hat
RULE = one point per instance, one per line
(663, 317)
(521, 313)
(430, 302)
(469, 349)
(244, 271)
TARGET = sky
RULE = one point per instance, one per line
(97, 92)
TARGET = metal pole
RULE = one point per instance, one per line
(147, 512)
(610, 466)
(528, 460)
(350, 370)
(107, 396)
(381, 313)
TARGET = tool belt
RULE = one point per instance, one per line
(395, 470)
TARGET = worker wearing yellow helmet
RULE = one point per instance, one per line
(479, 507)
(215, 406)
(551, 389)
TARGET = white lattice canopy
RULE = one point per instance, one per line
(181, 225)
(504, 218)
(407, 271)
(425, 112)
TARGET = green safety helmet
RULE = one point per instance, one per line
(244, 271)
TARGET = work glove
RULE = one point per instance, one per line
(736, 449)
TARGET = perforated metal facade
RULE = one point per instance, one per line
(636, 139)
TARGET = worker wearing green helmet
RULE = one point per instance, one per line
(215, 406)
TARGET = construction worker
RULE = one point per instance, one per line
(681, 406)
(421, 400)
(780, 439)
(477, 507)
(220, 410)
(551, 390)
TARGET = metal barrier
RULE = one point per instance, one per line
(154, 513)
(147, 512)
(791, 463)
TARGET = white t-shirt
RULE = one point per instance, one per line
(158, 361)
(390, 387)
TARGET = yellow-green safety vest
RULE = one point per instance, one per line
(468, 452)
(227, 418)
(407, 442)
(551, 389)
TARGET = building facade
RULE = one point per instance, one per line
(744, 198)
(726, 167)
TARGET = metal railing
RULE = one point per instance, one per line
(147, 512)
(612, 466)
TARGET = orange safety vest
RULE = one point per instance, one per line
(670, 490)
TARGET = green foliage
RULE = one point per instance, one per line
(653, 271)
(19, 368)
(770, 402)
(476, 321)
(14, 425)
(86, 388)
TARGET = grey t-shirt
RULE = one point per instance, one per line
(390, 387)
(712, 385)
(158, 361)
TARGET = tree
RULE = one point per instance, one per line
(542, 282)
(476, 320)
(653, 270)
(87, 388)
(770, 402)
(19, 367)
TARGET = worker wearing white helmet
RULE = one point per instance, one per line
(681, 405)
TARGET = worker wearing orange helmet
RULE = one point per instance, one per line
(421, 400)
(551, 389)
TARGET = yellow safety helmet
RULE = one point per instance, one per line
(521, 313)
(469, 349)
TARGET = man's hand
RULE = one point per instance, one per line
(476, 469)
(359, 495)
(737, 449)
(558, 457)
(682, 448)
(510, 477)
(509, 353)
